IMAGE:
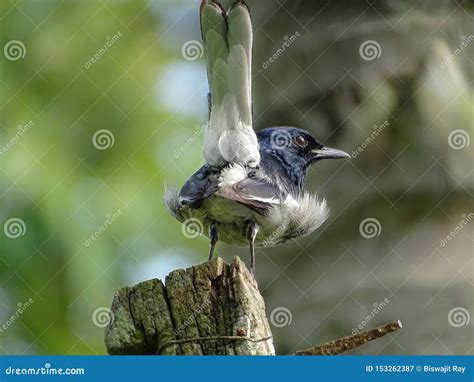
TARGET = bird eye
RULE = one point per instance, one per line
(301, 141)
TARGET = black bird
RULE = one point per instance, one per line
(250, 191)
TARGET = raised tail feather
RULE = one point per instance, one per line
(228, 41)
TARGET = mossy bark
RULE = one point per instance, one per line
(213, 308)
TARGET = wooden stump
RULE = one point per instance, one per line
(213, 308)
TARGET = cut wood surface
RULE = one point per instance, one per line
(212, 308)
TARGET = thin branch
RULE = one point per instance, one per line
(351, 342)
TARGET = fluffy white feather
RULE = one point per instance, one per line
(231, 175)
(172, 202)
(300, 216)
(228, 139)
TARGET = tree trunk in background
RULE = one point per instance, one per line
(213, 308)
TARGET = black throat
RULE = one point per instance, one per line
(286, 170)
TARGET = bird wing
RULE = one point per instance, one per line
(255, 193)
(202, 184)
(228, 38)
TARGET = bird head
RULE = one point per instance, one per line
(296, 145)
(293, 150)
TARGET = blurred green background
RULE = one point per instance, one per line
(101, 104)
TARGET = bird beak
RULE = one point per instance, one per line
(328, 153)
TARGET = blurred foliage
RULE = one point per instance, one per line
(153, 101)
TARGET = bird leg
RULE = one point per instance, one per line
(214, 237)
(252, 231)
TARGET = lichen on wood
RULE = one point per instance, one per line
(212, 308)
